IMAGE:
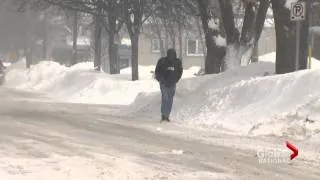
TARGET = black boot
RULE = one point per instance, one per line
(168, 120)
(164, 118)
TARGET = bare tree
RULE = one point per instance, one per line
(240, 45)
(167, 22)
(27, 9)
(111, 17)
(209, 14)
(136, 12)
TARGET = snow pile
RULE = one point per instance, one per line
(193, 89)
(80, 84)
(7, 64)
(276, 105)
(246, 101)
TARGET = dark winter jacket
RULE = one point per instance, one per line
(169, 69)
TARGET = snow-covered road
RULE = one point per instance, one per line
(43, 140)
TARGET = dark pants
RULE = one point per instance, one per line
(167, 94)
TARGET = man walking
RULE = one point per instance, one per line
(168, 72)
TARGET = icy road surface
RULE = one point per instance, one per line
(50, 141)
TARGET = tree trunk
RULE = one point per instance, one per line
(286, 39)
(162, 50)
(113, 54)
(180, 41)
(231, 31)
(135, 56)
(28, 39)
(45, 36)
(97, 44)
(134, 28)
(75, 39)
(240, 49)
(203, 44)
(258, 27)
(166, 39)
(232, 58)
(28, 50)
(215, 53)
(172, 35)
(159, 35)
(113, 49)
(173, 40)
(248, 22)
(245, 46)
(255, 53)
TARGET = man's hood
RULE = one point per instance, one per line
(171, 54)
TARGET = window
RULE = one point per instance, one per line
(155, 45)
(194, 48)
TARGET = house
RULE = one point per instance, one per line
(193, 49)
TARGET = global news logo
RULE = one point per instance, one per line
(277, 155)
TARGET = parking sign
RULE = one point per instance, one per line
(298, 11)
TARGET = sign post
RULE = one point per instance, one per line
(298, 14)
(310, 40)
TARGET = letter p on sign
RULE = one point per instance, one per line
(298, 11)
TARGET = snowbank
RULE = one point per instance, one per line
(263, 105)
(80, 84)
(6, 64)
(245, 101)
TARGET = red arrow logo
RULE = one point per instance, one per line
(293, 149)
